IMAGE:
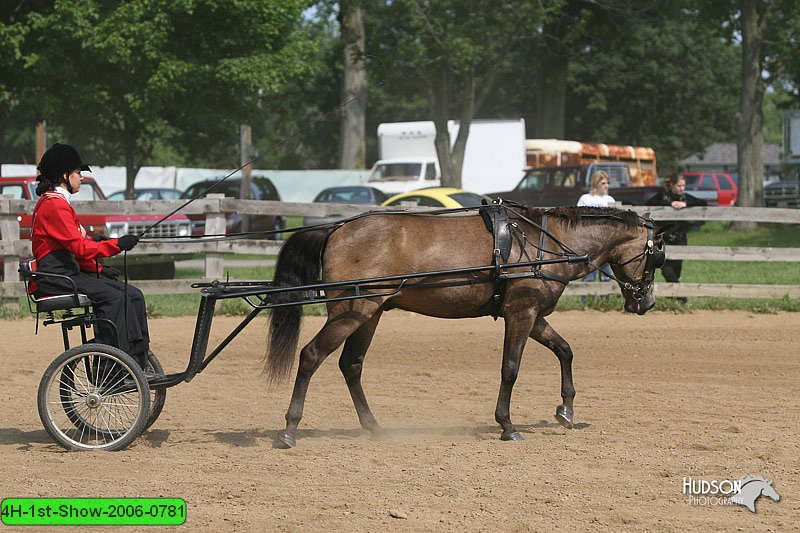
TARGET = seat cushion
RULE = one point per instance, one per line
(61, 301)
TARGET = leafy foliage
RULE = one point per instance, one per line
(122, 78)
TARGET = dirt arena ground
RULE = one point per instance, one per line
(707, 395)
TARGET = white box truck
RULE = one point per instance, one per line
(494, 158)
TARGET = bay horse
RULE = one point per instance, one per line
(381, 244)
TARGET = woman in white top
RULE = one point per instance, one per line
(598, 195)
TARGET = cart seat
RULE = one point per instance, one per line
(55, 302)
(60, 301)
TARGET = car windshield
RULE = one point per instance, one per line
(691, 181)
(348, 196)
(396, 172)
(467, 199)
(260, 189)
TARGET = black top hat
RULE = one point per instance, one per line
(60, 158)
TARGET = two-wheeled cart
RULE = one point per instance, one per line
(97, 397)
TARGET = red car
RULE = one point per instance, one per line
(111, 225)
(727, 190)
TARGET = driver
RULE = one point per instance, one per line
(61, 246)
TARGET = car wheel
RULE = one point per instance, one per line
(278, 236)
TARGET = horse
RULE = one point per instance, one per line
(381, 244)
(752, 488)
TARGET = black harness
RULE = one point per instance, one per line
(495, 217)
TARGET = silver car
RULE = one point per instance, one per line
(353, 194)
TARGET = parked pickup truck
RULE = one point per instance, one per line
(563, 185)
(139, 266)
(783, 193)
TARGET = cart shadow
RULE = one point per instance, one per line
(11, 436)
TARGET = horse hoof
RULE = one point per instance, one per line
(564, 416)
(285, 441)
(515, 437)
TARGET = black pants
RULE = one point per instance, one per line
(672, 270)
(108, 299)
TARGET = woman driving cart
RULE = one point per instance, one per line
(61, 246)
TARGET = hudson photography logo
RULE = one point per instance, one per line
(744, 491)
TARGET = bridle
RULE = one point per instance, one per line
(653, 256)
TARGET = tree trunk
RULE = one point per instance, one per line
(131, 168)
(451, 154)
(352, 128)
(245, 155)
(750, 137)
(438, 88)
(551, 100)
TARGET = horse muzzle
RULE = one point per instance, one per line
(639, 306)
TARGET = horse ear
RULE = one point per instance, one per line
(660, 228)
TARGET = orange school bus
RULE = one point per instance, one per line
(549, 152)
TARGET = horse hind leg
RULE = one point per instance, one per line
(329, 338)
(351, 363)
(545, 335)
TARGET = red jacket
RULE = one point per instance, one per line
(56, 227)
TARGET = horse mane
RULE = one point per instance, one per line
(574, 216)
(748, 479)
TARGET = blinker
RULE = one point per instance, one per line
(658, 258)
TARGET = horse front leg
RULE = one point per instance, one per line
(351, 363)
(544, 334)
(517, 329)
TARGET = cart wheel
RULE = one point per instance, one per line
(94, 397)
(157, 396)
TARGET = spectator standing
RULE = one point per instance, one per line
(675, 196)
(598, 194)
(597, 197)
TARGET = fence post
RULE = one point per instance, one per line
(215, 225)
(9, 232)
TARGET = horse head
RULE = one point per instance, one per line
(769, 491)
(751, 488)
(634, 262)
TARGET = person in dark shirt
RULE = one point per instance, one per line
(675, 196)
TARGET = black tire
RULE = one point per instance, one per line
(278, 236)
(157, 396)
(94, 397)
(152, 271)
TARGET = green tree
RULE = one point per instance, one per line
(767, 31)
(450, 53)
(13, 137)
(123, 78)
(667, 80)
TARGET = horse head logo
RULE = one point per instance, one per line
(752, 488)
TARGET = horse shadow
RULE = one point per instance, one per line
(156, 438)
(251, 438)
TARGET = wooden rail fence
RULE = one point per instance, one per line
(214, 209)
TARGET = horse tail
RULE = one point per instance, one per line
(299, 263)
